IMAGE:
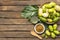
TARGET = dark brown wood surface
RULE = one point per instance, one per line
(13, 26)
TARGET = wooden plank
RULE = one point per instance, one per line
(48, 39)
(15, 0)
(19, 39)
(20, 2)
(58, 1)
(16, 27)
(14, 21)
(58, 27)
(19, 35)
(0, 7)
(58, 21)
(10, 15)
(12, 8)
(39, 2)
(24, 39)
(15, 34)
(57, 38)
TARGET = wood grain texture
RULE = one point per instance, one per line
(13, 15)
(12, 8)
(19, 3)
(23, 39)
(19, 39)
(18, 35)
(16, 27)
(14, 21)
(58, 22)
(38, 2)
(15, 0)
(15, 34)
(58, 27)
(57, 38)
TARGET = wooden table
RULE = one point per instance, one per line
(12, 25)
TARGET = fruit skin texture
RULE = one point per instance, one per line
(53, 35)
(57, 7)
(50, 28)
(47, 32)
(49, 20)
(44, 9)
(51, 10)
(55, 26)
(47, 6)
(56, 19)
(43, 19)
(52, 4)
(46, 36)
(40, 12)
(56, 32)
(57, 14)
(43, 35)
(45, 14)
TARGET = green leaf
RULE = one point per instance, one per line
(34, 20)
(30, 8)
(29, 11)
